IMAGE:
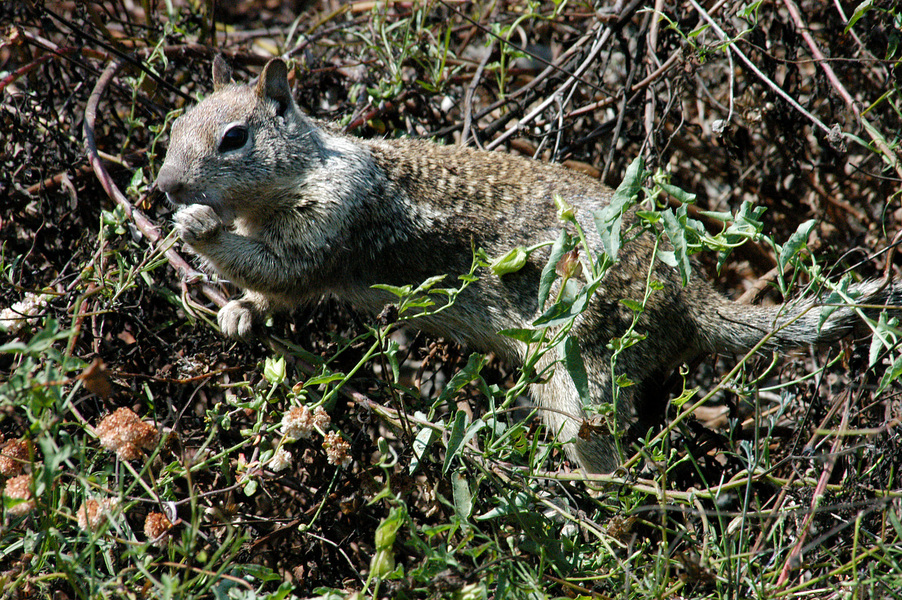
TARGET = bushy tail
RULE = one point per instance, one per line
(737, 328)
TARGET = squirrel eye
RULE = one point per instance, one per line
(233, 139)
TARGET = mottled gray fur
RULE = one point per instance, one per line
(296, 211)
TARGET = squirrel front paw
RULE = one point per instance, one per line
(238, 318)
(197, 224)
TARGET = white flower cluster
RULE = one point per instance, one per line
(299, 423)
(14, 318)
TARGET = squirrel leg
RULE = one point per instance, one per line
(201, 228)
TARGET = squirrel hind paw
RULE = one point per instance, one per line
(238, 318)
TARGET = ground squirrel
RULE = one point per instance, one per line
(290, 211)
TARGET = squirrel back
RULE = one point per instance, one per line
(290, 210)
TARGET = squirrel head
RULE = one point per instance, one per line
(244, 149)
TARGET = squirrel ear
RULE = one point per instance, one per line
(222, 72)
(273, 84)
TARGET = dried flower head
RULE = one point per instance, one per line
(569, 266)
(14, 455)
(321, 418)
(155, 527)
(336, 449)
(94, 513)
(125, 434)
(297, 423)
(281, 460)
(19, 488)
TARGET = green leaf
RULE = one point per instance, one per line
(570, 291)
(562, 312)
(633, 305)
(415, 302)
(676, 233)
(573, 362)
(511, 262)
(41, 342)
(896, 523)
(890, 375)
(748, 12)
(391, 352)
(667, 257)
(608, 220)
(892, 46)
(527, 336)
(562, 245)
(650, 216)
(834, 301)
(885, 337)
(746, 225)
(323, 379)
(622, 381)
(134, 185)
(747, 222)
(461, 434)
(506, 506)
(797, 241)
(557, 313)
(610, 224)
(685, 397)
(698, 31)
(428, 284)
(631, 184)
(463, 499)
(425, 438)
(722, 216)
(400, 292)
(860, 11)
(678, 192)
(455, 440)
(469, 373)
(619, 344)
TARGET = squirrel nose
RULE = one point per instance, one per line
(167, 181)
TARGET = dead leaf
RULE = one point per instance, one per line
(97, 379)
